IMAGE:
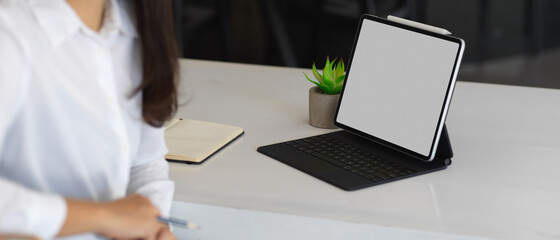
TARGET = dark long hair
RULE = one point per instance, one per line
(159, 60)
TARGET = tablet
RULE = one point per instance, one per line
(399, 84)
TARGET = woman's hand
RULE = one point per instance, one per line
(165, 233)
(132, 217)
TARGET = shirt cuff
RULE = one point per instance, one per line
(36, 214)
(160, 194)
(152, 180)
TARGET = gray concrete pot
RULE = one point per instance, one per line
(322, 108)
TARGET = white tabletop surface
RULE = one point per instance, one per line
(504, 182)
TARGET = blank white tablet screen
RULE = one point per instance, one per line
(397, 84)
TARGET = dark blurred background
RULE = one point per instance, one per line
(514, 42)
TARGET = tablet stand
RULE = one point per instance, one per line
(444, 153)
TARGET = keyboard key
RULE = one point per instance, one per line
(365, 164)
(328, 159)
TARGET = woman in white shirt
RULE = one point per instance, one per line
(85, 86)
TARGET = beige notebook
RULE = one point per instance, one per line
(194, 141)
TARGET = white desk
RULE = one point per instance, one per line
(504, 182)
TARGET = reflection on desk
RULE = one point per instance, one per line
(503, 182)
(241, 224)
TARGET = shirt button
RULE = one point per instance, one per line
(124, 147)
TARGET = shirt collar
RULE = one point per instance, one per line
(59, 21)
(118, 19)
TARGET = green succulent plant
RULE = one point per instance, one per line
(332, 79)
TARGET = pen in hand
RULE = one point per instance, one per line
(178, 222)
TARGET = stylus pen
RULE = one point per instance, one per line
(178, 222)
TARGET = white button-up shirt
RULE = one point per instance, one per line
(68, 124)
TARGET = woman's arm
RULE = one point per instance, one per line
(20, 208)
(30, 213)
(149, 174)
(27, 212)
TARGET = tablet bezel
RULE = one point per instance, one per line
(446, 102)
